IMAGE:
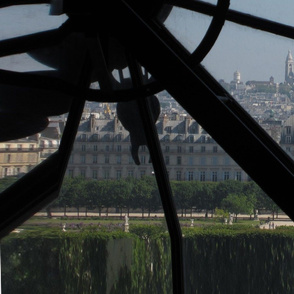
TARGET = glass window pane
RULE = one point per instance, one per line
(187, 26)
(270, 9)
(21, 20)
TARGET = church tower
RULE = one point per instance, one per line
(289, 68)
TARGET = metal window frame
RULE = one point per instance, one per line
(189, 83)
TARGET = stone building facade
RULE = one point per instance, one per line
(18, 157)
(102, 151)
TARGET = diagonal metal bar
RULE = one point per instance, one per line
(34, 41)
(242, 138)
(43, 82)
(237, 17)
(7, 3)
(41, 186)
(162, 182)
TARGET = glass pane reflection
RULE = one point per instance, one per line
(188, 27)
(270, 9)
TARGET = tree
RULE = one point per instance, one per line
(94, 195)
(64, 198)
(77, 193)
(208, 199)
(183, 192)
(237, 203)
(265, 202)
(142, 191)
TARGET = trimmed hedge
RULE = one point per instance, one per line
(219, 259)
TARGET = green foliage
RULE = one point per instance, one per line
(251, 260)
(6, 182)
(147, 232)
(84, 262)
(218, 259)
(238, 203)
(143, 193)
(221, 214)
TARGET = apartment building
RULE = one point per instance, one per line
(102, 151)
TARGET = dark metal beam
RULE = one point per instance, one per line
(27, 43)
(162, 179)
(41, 81)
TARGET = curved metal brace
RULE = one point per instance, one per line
(29, 80)
(212, 33)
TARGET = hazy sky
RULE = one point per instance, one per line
(255, 54)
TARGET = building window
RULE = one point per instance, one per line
(131, 161)
(83, 159)
(71, 159)
(214, 160)
(214, 149)
(202, 149)
(95, 137)
(83, 147)
(202, 160)
(167, 160)
(118, 137)
(190, 160)
(95, 158)
(190, 176)
(118, 159)
(167, 138)
(131, 173)
(214, 176)
(32, 146)
(7, 146)
(83, 173)
(106, 174)
(179, 138)
(19, 146)
(179, 160)
(142, 159)
(202, 176)
(94, 174)
(191, 149)
(179, 175)
(226, 175)
(107, 148)
(118, 174)
(95, 147)
(190, 139)
(169, 129)
(227, 160)
(118, 148)
(179, 149)
(238, 176)
(288, 139)
(166, 148)
(106, 158)
(8, 158)
(288, 130)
